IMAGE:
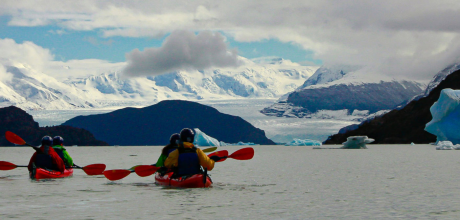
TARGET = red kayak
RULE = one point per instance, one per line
(194, 181)
(50, 174)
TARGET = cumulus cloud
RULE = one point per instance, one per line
(182, 50)
(415, 38)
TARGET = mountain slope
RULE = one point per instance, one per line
(338, 90)
(405, 125)
(153, 125)
(19, 122)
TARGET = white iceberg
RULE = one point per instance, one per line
(202, 139)
(447, 145)
(446, 117)
(357, 142)
(303, 142)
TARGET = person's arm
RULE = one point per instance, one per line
(161, 161)
(32, 160)
(172, 160)
(67, 157)
(205, 161)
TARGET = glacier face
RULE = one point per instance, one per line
(262, 78)
(446, 117)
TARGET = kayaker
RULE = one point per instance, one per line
(58, 146)
(187, 158)
(173, 145)
(45, 157)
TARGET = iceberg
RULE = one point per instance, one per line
(447, 145)
(357, 142)
(303, 142)
(446, 117)
(202, 139)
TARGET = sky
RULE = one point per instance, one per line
(409, 38)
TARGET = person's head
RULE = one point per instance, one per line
(47, 141)
(58, 140)
(174, 139)
(187, 135)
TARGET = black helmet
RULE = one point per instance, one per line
(47, 141)
(174, 138)
(58, 140)
(187, 135)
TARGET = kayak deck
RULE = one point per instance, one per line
(50, 174)
(194, 181)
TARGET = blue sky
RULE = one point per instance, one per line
(72, 44)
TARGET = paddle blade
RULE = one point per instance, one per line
(209, 150)
(94, 169)
(113, 175)
(222, 153)
(243, 154)
(145, 170)
(7, 165)
(13, 138)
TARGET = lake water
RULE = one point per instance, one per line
(280, 182)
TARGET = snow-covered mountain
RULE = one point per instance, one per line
(26, 88)
(259, 78)
(344, 88)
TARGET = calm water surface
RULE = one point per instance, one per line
(280, 182)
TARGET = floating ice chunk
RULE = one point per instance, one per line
(447, 145)
(446, 117)
(412, 143)
(357, 142)
(303, 142)
(202, 139)
(239, 143)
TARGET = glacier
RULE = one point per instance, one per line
(357, 142)
(303, 142)
(446, 117)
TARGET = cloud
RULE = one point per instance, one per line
(182, 50)
(30, 55)
(414, 38)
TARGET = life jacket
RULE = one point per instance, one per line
(188, 162)
(44, 160)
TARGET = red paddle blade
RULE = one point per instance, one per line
(7, 165)
(243, 154)
(13, 138)
(94, 169)
(222, 153)
(145, 170)
(113, 175)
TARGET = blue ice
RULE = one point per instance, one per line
(303, 142)
(446, 117)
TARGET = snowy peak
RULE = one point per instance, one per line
(327, 74)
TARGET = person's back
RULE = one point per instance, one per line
(168, 149)
(58, 143)
(46, 157)
(187, 158)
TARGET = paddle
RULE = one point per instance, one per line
(15, 139)
(209, 150)
(223, 154)
(145, 170)
(241, 154)
(118, 174)
(92, 169)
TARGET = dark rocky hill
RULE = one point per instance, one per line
(405, 125)
(153, 125)
(19, 122)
